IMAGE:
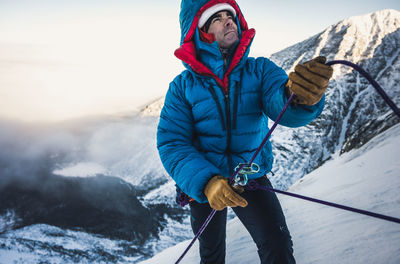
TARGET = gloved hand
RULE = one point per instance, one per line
(221, 195)
(309, 81)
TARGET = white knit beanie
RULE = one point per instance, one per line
(213, 10)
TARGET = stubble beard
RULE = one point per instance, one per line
(229, 39)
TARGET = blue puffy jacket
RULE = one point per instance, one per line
(215, 115)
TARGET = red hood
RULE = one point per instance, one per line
(187, 51)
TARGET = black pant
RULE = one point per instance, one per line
(262, 217)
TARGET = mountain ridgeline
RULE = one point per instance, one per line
(354, 111)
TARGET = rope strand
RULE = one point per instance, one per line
(208, 220)
(343, 207)
(377, 87)
(339, 206)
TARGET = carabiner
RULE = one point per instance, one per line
(241, 177)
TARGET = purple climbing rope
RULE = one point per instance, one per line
(253, 185)
(208, 220)
(377, 87)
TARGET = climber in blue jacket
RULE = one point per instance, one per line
(215, 116)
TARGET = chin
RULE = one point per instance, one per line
(229, 44)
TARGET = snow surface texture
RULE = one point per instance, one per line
(366, 178)
(67, 246)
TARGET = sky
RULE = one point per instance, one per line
(68, 59)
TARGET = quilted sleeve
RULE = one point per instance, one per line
(183, 162)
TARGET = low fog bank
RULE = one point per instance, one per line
(121, 147)
(38, 185)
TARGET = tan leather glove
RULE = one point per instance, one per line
(309, 81)
(220, 195)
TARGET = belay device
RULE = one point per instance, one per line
(244, 169)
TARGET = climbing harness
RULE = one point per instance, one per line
(240, 178)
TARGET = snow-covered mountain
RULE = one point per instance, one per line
(95, 191)
(354, 111)
(154, 108)
(366, 178)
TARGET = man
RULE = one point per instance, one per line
(215, 116)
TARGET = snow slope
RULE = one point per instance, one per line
(366, 178)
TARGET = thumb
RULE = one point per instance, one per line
(235, 198)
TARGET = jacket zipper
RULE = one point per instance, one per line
(219, 107)
(229, 128)
(228, 124)
(235, 106)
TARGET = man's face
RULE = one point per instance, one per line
(224, 29)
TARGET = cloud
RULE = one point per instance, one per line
(97, 63)
(120, 147)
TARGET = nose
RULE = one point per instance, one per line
(228, 21)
